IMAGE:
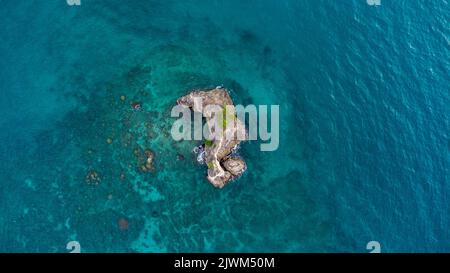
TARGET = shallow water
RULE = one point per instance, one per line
(364, 129)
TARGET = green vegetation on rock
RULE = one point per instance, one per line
(208, 143)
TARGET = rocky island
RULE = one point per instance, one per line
(223, 166)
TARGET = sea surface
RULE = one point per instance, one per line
(364, 95)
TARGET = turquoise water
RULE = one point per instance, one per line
(364, 129)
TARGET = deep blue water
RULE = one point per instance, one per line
(365, 133)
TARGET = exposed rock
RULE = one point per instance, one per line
(217, 153)
(235, 165)
(219, 177)
(136, 105)
(149, 161)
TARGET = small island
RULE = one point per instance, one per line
(223, 166)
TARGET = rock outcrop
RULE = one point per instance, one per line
(235, 165)
(222, 166)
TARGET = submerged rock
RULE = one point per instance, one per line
(149, 154)
(145, 159)
(123, 224)
(93, 178)
(221, 167)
